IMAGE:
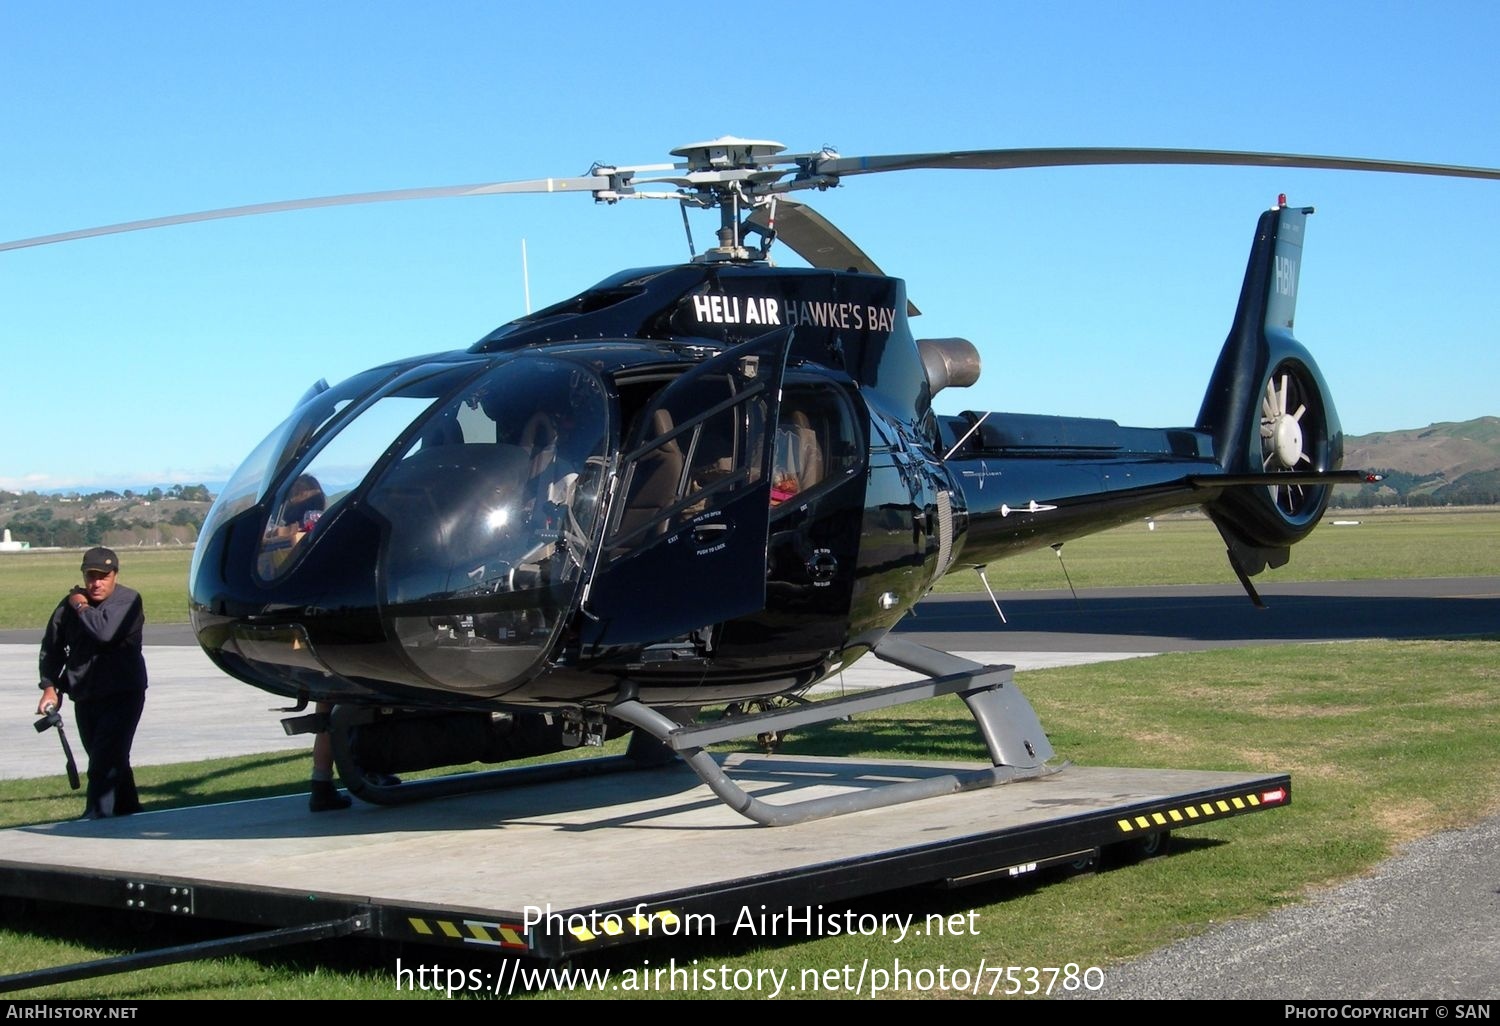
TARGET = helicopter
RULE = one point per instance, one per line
(714, 483)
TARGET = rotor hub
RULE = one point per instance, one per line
(727, 152)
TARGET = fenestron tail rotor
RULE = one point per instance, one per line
(1285, 441)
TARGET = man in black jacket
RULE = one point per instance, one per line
(92, 652)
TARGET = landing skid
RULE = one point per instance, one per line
(1018, 747)
(368, 787)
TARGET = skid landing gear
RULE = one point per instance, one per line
(447, 739)
(1018, 747)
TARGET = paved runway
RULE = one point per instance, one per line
(193, 711)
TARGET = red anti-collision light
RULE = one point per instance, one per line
(1275, 797)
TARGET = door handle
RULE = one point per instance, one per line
(705, 535)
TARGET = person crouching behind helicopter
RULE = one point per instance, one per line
(91, 651)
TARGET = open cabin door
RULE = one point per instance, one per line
(684, 541)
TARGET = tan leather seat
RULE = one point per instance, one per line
(658, 475)
(809, 451)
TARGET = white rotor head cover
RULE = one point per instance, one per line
(728, 152)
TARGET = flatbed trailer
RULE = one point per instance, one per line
(554, 870)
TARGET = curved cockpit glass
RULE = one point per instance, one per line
(491, 507)
(336, 460)
(496, 481)
(290, 439)
(465, 494)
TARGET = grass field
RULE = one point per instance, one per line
(1385, 742)
(1187, 549)
(1180, 550)
(32, 583)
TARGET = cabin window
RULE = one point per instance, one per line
(817, 444)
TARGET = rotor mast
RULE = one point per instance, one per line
(737, 176)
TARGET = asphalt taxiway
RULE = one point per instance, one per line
(1191, 618)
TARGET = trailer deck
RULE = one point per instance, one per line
(554, 870)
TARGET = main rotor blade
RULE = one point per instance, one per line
(813, 237)
(583, 184)
(817, 240)
(996, 160)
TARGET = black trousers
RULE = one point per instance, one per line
(106, 725)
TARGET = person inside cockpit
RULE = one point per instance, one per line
(304, 503)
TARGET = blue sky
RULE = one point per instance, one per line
(164, 356)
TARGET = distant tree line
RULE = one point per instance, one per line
(1400, 488)
(38, 523)
(187, 493)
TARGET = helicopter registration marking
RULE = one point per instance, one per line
(1286, 276)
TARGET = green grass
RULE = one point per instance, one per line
(1385, 741)
(1188, 550)
(1181, 550)
(33, 583)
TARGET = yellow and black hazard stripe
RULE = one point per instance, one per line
(616, 925)
(471, 931)
(1197, 812)
(512, 936)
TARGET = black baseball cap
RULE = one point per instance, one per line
(101, 559)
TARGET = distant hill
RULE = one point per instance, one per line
(1447, 464)
(72, 520)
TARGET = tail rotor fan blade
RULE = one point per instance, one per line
(1268, 407)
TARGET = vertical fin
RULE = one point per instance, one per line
(1286, 266)
(1266, 312)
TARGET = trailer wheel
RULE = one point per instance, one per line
(1089, 863)
(1152, 846)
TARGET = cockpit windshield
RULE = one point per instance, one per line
(491, 507)
(336, 460)
(496, 482)
(291, 438)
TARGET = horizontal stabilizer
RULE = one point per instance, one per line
(1300, 477)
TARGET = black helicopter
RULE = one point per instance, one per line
(715, 483)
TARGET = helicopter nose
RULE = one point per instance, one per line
(431, 541)
(293, 626)
(436, 582)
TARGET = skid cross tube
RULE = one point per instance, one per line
(1017, 745)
